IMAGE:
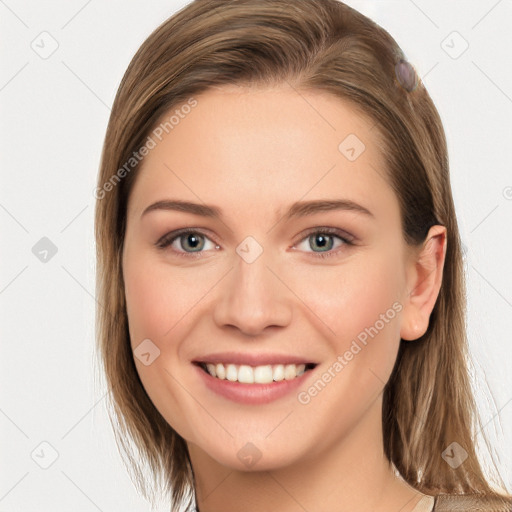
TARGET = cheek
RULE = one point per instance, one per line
(349, 298)
(144, 304)
(358, 305)
(157, 306)
(156, 300)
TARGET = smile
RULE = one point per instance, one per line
(264, 374)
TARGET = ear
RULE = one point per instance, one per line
(425, 274)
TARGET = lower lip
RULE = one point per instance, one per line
(251, 393)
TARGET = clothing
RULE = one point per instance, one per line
(467, 503)
(426, 504)
(460, 503)
(470, 503)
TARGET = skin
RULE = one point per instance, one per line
(252, 153)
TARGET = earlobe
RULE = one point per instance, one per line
(424, 284)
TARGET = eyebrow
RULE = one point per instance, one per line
(296, 210)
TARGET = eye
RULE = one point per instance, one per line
(193, 243)
(323, 238)
(182, 240)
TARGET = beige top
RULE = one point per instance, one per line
(426, 504)
(472, 503)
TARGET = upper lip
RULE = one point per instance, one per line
(239, 358)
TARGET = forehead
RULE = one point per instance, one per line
(264, 149)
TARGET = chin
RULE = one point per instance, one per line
(251, 456)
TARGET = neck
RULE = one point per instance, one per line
(353, 474)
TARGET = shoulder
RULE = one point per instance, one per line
(471, 503)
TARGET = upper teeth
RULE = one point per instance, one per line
(258, 374)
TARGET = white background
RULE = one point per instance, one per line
(54, 113)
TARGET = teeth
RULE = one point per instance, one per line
(245, 374)
(278, 372)
(290, 372)
(220, 371)
(263, 374)
(231, 373)
(258, 375)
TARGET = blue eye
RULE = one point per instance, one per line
(196, 241)
(324, 239)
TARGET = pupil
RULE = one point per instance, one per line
(194, 243)
(321, 244)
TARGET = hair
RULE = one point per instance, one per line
(314, 45)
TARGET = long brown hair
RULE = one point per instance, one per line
(308, 44)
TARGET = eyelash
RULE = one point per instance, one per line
(169, 238)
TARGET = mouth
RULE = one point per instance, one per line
(262, 374)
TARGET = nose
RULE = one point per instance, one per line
(253, 297)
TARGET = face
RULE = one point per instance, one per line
(294, 256)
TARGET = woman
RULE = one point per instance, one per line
(251, 369)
